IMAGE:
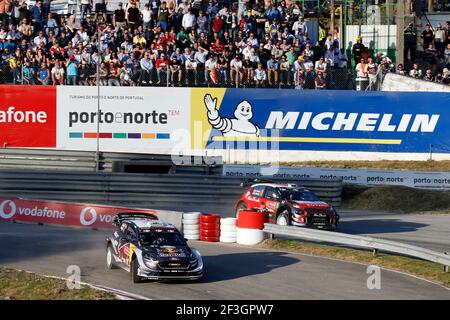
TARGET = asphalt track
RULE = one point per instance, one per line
(231, 271)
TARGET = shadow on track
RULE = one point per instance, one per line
(378, 226)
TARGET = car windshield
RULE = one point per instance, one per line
(162, 239)
(295, 195)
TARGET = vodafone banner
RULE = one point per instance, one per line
(60, 213)
(28, 116)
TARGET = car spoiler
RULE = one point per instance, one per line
(132, 215)
(248, 182)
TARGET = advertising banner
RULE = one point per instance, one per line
(325, 120)
(60, 213)
(27, 116)
(368, 177)
(130, 119)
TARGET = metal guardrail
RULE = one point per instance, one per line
(141, 189)
(360, 242)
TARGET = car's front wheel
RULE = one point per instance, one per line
(239, 207)
(134, 271)
(283, 218)
(110, 264)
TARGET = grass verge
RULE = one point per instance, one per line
(429, 165)
(21, 285)
(395, 199)
(423, 269)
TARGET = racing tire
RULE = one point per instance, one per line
(191, 215)
(191, 227)
(227, 239)
(228, 228)
(134, 271)
(228, 222)
(209, 226)
(110, 264)
(191, 232)
(209, 218)
(239, 207)
(209, 239)
(228, 234)
(209, 233)
(283, 219)
(192, 237)
(190, 222)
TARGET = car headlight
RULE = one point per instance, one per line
(150, 260)
(193, 257)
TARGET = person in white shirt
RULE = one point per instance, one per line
(210, 64)
(260, 76)
(249, 53)
(236, 71)
(146, 17)
(189, 20)
(299, 27)
(321, 65)
(361, 69)
(191, 70)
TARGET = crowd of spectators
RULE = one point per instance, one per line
(188, 42)
(180, 43)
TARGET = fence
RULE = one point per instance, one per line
(360, 242)
(161, 190)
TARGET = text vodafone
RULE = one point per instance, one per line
(42, 212)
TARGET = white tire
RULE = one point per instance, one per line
(228, 234)
(191, 222)
(227, 228)
(191, 216)
(249, 236)
(197, 237)
(228, 221)
(191, 227)
(191, 232)
(227, 239)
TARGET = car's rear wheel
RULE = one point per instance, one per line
(239, 207)
(283, 218)
(134, 271)
(110, 264)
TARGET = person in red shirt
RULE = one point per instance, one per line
(162, 65)
(217, 25)
(167, 39)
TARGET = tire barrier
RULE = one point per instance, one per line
(249, 236)
(251, 219)
(228, 232)
(191, 225)
(209, 227)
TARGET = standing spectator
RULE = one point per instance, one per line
(410, 38)
(427, 36)
(132, 16)
(51, 25)
(188, 20)
(358, 49)
(43, 75)
(147, 17)
(202, 23)
(85, 8)
(371, 70)
(439, 40)
(299, 27)
(100, 8)
(163, 16)
(260, 76)
(72, 71)
(72, 6)
(58, 74)
(119, 17)
(430, 57)
(37, 14)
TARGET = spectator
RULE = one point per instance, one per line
(72, 71)
(439, 40)
(162, 65)
(163, 16)
(447, 55)
(175, 71)
(188, 20)
(260, 76)
(429, 76)
(401, 70)
(236, 71)
(43, 75)
(445, 76)
(146, 69)
(372, 70)
(320, 82)
(272, 71)
(427, 36)
(285, 72)
(430, 57)
(358, 49)
(191, 71)
(415, 72)
(119, 17)
(100, 8)
(147, 17)
(410, 39)
(126, 76)
(361, 69)
(132, 16)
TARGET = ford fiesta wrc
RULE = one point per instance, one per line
(151, 249)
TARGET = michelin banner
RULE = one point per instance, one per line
(289, 125)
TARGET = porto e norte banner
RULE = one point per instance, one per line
(183, 120)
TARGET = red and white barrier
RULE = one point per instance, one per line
(209, 227)
(250, 225)
(61, 213)
(228, 231)
(191, 225)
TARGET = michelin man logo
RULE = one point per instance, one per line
(11, 211)
(91, 212)
(239, 126)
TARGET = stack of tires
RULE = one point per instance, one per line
(228, 230)
(191, 225)
(250, 225)
(209, 227)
